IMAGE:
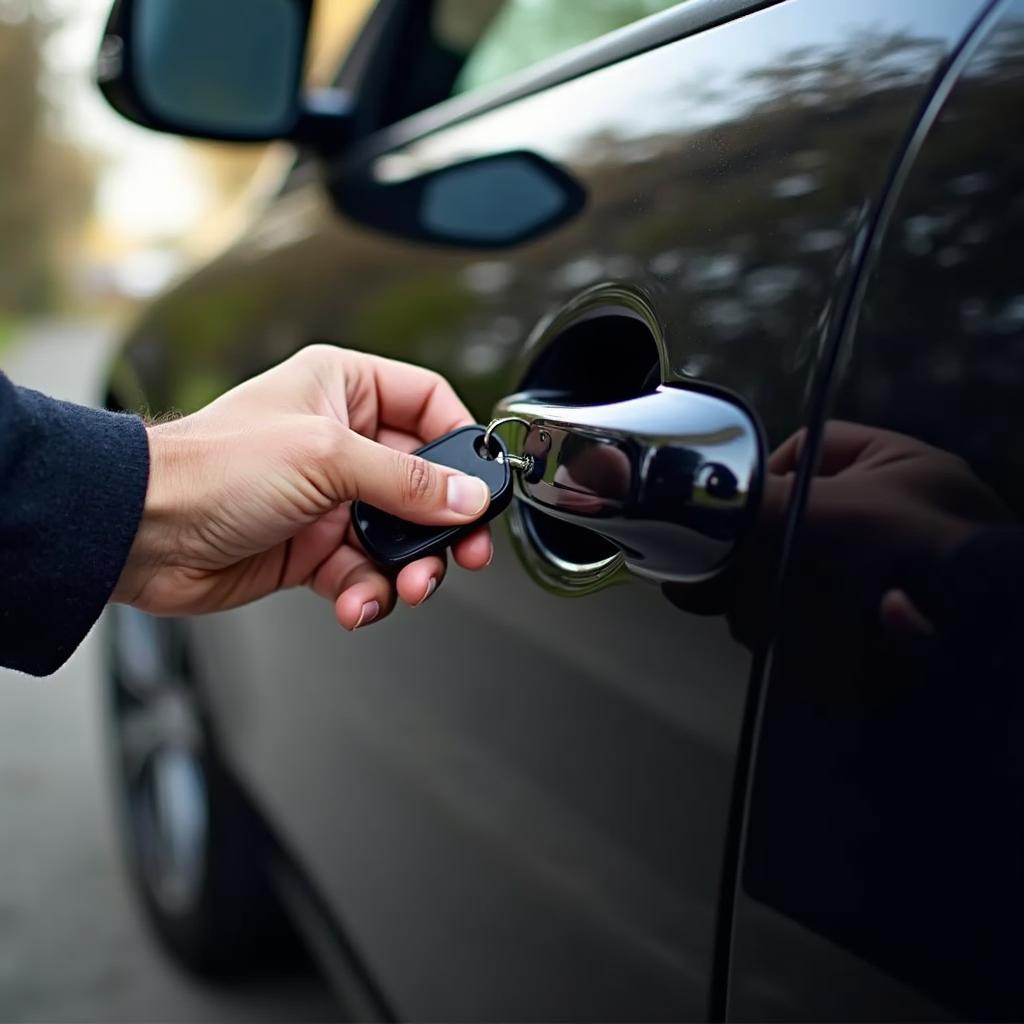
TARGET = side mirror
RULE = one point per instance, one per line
(232, 70)
(213, 69)
(487, 202)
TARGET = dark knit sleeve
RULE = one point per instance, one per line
(72, 486)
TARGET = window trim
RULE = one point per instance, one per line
(648, 33)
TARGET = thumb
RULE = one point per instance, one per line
(410, 487)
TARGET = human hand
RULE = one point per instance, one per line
(883, 509)
(882, 495)
(253, 493)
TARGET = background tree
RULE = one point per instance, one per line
(45, 183)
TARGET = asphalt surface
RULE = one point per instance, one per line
(72, 945)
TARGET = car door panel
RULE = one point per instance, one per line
(516, 803)
(883, 836)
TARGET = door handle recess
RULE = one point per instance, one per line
(672, 477)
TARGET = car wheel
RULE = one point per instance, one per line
(196, 851)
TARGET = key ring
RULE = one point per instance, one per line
(494, 424)
(523, 463)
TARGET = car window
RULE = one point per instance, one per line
(519, 33)
(452, 47)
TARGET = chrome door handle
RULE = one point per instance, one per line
(671, 477)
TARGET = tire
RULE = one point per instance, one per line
(196, 851)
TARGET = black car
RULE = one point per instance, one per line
(732, 727)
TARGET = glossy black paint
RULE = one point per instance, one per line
(544, 833)
(885, 815)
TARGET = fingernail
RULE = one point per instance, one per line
(431, 587)
(370, 611)
(467, 495)
(490, 557)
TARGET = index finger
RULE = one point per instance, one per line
(416, 400)
(841, 444)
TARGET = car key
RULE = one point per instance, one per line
(394, 542)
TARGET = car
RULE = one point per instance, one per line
(731, 727)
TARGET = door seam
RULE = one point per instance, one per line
(864, 261)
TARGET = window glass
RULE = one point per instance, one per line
(504, 37)
(451, 47)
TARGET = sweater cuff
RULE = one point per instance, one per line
(75, 482)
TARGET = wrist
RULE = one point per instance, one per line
(160, 525)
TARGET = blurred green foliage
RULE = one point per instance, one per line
(525, 32)
(8, 328)
(424, 305)
(45, 183)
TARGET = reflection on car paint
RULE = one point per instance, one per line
(886, 809)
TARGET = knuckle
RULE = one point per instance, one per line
(318, 356)
(439, 384)
(323, 446)
(419, 480)
(314, 462)
(315, 352)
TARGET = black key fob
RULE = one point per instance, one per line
(394, 542)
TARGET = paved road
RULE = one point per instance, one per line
(71, 944)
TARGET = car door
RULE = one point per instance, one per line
(516, 799)
(882, 864)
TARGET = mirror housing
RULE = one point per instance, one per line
(487, 202)
(229, 70)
